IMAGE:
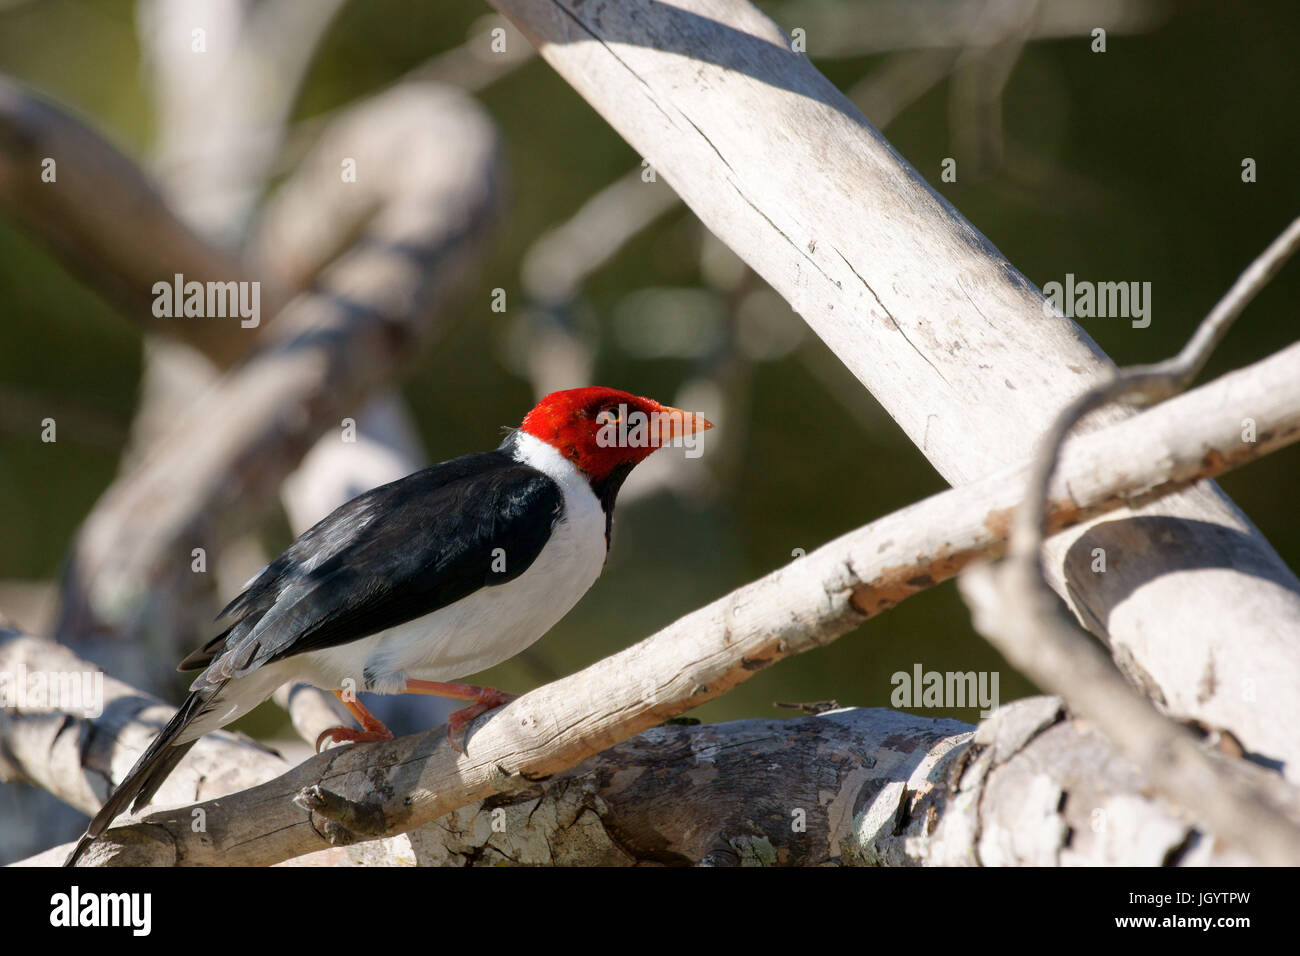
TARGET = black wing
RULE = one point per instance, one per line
(388, 556)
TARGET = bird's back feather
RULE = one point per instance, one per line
(388, 556)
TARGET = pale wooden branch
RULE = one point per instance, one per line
(382, 789)
(1192, 437)
(107, 221)
(750, 792)
(1016, 610)
(948, 336)
(74, 754)
(369, 312)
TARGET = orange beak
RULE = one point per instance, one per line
(676, 423)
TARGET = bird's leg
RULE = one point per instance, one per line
(485, 699)
(372, 728)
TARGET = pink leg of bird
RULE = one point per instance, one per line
(485, 699)
(372, 728)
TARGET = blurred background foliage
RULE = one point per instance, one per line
(1115, 166)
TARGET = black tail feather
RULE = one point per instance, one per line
(154, 766)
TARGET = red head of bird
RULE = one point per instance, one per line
(602, 430)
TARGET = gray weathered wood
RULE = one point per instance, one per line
(77, 756)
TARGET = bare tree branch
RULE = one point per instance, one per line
(1018, 612)
(75, 748)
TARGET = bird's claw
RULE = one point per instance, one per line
(457, 722)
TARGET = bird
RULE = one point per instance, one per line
(412, 585)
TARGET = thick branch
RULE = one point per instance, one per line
(45, 740)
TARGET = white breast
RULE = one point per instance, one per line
(494, 623)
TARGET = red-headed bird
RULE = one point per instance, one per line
(432, 577)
